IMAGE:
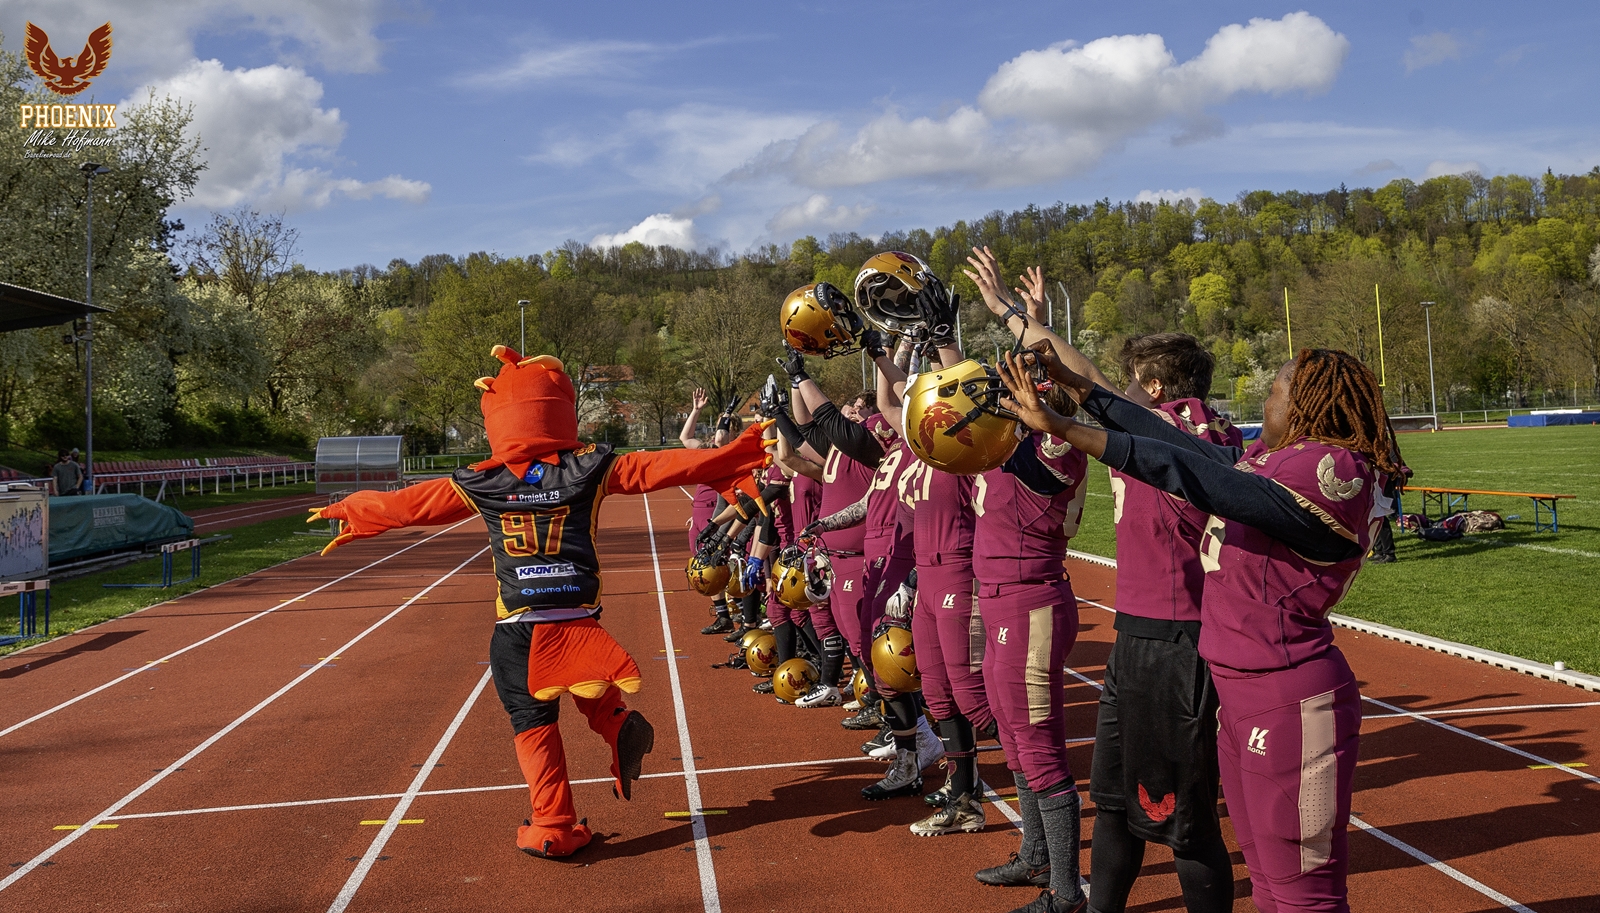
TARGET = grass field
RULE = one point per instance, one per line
(1535, 595)
(83, 601)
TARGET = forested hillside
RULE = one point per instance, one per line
(218, 336)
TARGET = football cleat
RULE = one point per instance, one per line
(763, 687)
(903, 779)
(867, 717)
(722, 625)
(734, 636)
(1014, 873)
(961, 815)
(884, 736)
(1048, 902)
(821, 695)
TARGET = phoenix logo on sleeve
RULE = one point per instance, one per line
(67, 75)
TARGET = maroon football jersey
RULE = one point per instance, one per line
(1265, 607)
(941, 505)
(1158, 534)
(844, 482)
(1019, 535)
(805, 498)
(885, 534)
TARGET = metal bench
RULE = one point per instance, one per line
(192, 546)
(27, 593)
(1454, 500)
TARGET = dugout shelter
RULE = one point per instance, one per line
(346, 464)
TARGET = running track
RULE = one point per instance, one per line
(322, 735)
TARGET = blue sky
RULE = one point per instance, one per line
(398, 129)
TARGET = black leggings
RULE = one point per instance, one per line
(1206, 875)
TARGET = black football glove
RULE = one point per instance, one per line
(874, 344)
(794, 365)
(938, 309)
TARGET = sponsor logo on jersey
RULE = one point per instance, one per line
(1001, 637)
(536, 497)
(545, 590)
(540, 571)
(949, 601)
(1258, 741)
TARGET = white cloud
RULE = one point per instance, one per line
(256, 124)
(817, 213)
(1054, 112)
(659, 230)
(1432, 48)
(1170, 196)
(1440, 168)
(157, 35)
(607, 59)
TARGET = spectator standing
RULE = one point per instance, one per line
(67, 474)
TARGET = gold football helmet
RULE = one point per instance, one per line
(818, 319)
(791, 578)
(886, 290)
(792, 680)
(954, 421)
(859, 685)
(894, 659)
(706, 578)
(760, 652)
(736, 587)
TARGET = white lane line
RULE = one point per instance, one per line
(1401, 711)
(122, 803)
(200, 643)
(697, 821)
(353, 883)
(1454, 873)
(463, 790)
(1476, 710)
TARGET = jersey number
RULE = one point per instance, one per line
(980, 488)
(522, 533)
(1211, 544)
(1119, 490)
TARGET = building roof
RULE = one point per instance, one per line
(23, 308)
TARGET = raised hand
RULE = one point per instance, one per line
(699, 399)
(1024, 399)
(1032, 293)
(873, 342)
(989, 281)
(794, 365)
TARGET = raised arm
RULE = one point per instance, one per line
(1214, 487)
(368, 513)
(697, 403)
(989, 281)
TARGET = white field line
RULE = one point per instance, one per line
(1553, 550)
(353, 883)
(1477, 710)
(463, 790)
(285, 509)
(697, 821)
(147, 785)
(1401, 711)
(205, 640)
(1435, 864)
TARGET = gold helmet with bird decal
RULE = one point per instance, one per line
(760, 652)
(705, 577)
(790, 581)
(894, 658)
(818, 319)
(794, 679)
(954, 421)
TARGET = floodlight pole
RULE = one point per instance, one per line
(89, 169)
(1433, 396)
(1068, 299)
(522, 306)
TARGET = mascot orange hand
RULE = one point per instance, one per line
(368, 513)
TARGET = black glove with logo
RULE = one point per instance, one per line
(794, 365)
(938, 309)
(874, 344)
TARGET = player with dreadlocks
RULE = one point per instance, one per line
(1291, 519)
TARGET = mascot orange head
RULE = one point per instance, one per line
(530, 411)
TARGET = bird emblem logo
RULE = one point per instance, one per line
(67, 75)
(1332, 486)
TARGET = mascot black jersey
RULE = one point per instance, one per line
(541, 530)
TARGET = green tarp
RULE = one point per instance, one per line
(88, 524)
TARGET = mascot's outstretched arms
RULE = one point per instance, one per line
(538, 494)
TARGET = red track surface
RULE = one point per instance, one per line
(216, 519)
(315, 690)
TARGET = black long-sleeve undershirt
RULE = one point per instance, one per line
(1117, 413)
(1204, 480)
(789, 430)
(834, 430)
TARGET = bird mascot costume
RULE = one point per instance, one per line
(539, 493)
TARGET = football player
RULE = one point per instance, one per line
(1290, 521)
(706, 502)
